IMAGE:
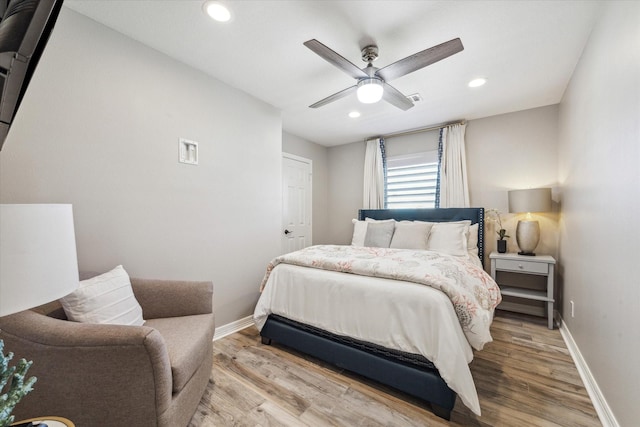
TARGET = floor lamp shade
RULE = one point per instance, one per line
(38, 260)
(531, 200)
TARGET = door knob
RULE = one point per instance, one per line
(287, 232)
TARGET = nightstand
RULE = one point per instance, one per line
(540, 265)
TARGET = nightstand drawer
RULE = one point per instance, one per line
(522, 266)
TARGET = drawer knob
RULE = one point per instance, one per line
(520, 266)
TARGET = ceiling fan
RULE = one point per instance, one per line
(372, 81)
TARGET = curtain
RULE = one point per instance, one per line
(374, 174)
(437, 202)
(452, 177)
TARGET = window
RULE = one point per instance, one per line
(411, 180)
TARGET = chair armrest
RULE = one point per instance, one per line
(92, 364)
(173, 298)
(48, 331)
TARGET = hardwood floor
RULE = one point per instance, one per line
(525, 377)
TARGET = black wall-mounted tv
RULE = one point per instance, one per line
(24, 31)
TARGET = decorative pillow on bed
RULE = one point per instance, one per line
(373, 233)
(411, 235)
(449, 237)
(379, 234)
(359, 232)
(107, 298)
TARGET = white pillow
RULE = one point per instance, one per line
(449, 237)
(107, 298)
(379, 220)
(411, 235)
(472, 241)
(359, 232)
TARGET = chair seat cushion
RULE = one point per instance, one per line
(187, 339)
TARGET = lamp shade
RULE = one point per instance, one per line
(531, 200)
(38, 260)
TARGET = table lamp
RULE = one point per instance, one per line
(38, 264)
(528, 230)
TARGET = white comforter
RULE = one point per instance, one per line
(396, 314)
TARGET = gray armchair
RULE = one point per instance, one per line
(112, 375)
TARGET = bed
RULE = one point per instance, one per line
(436, 371)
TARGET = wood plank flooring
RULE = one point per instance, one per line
(525, 377)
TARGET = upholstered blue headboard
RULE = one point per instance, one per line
(475, 215)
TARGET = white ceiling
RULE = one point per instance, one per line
(526, 49)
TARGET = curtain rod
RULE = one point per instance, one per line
(419, 130)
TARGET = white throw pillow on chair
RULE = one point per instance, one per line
(107, 298)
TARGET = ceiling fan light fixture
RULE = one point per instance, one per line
(217, 11)
(370, 90)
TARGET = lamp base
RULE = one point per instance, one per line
(526, 253)
(527, 236)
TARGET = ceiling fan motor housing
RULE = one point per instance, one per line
(369, 53)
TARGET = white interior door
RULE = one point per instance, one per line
(296, 202)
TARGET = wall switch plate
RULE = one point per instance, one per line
(572, 308)
(188, 152)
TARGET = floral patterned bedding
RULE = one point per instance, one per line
(471, 290)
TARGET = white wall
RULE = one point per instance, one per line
(509, 151)
(99, 128)
(599, 173)
(318, 154)
(346, 171)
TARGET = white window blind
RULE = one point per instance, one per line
(411, 180)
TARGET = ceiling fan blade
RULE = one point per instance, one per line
(395, 97)
(420, 60)
(335, 59)
(335, 96)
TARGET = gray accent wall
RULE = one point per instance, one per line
(599, 174)
(99, 128)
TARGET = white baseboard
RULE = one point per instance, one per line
(597, 398)
(232, 327)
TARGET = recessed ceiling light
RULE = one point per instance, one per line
(354, 114)
(477, 82)
(217, 11)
